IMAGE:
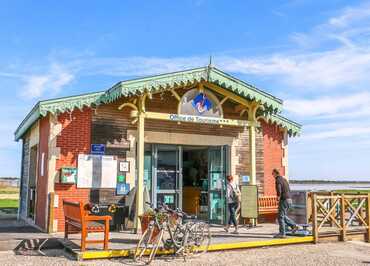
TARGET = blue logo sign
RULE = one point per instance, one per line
(122, 189)
(201, 103)
(98, 149)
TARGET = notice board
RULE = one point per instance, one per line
(249, 201)
(96, 171)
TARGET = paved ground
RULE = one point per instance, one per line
(124, 240)
(350, 253)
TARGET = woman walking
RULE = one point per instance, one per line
(232, 200)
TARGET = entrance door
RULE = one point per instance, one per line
(32, 183)
(167, 179)
(217, 168)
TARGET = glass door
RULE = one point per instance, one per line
(167, 179)
(217, 168)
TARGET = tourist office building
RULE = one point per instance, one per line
(171, 138)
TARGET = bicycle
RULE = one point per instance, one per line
(186, 235)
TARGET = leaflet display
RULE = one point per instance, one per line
(96, 171)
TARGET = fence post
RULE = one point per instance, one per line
(315, 232)
(331, 200)
(343, 218)
(368, 217)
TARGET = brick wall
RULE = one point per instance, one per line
(273, 154)
(70, 192)
(42, 176)
(74, 139)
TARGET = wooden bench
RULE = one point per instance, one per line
(77, 219)
(267, 205)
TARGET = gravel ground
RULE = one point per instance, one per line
(349, 253)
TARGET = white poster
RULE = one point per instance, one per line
(96, 171)
(84, 171)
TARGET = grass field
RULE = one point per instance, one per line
(9, 190)
(9, 200)
(357, 191)
(8, 203)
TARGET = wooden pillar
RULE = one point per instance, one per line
(343, 218)
(315, 231)
(140, 166)
(252, 109)
(51, 213)
(368, 217)
(252, 156)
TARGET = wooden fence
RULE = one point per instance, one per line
(340, 215)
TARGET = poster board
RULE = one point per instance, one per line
(96, 171)
(249, 201)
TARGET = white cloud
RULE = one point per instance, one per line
(350, 15)
(335, 53)
(51, 82)
(329, 105)
(339, 133)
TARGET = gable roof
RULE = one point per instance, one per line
(273, 105)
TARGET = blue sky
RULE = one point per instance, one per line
(313, 54)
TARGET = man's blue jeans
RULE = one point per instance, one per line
(283, 218)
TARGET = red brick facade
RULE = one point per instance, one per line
(74, 139)
(42, 174)
(70, 192)
(273, 138)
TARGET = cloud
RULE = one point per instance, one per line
(134, 66)
(339, 133)
(350, 15)
(334, 53)
(329, 105)
(51, 83)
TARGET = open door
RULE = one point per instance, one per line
(167, 178)
(218, 167)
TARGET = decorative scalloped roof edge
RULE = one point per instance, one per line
(245, 90)
(154, 84)
(54, 106)
(210, 74)
(293, 128)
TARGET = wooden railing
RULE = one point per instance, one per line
(340, 215)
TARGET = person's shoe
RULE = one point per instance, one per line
(280, 236)
(295, 229)
(226, 228)
(236, 231)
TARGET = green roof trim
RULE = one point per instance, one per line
(293, 129)
(158, 83)
(54, 106)
(245, 90)
(210, 74)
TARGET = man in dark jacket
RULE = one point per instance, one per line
(285, 202)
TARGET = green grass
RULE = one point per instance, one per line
(8, 203)
(9, 190)
(353, 191)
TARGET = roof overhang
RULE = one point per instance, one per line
(272, 105)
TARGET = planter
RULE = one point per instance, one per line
(144, 221)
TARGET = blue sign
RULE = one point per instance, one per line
(98, 149)
(122, 188)
(201, 103)
(245, 179)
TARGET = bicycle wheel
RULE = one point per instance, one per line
(197, 239)
(148, 244)
(155, 247)
(144, 243)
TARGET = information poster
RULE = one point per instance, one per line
(96, 171)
